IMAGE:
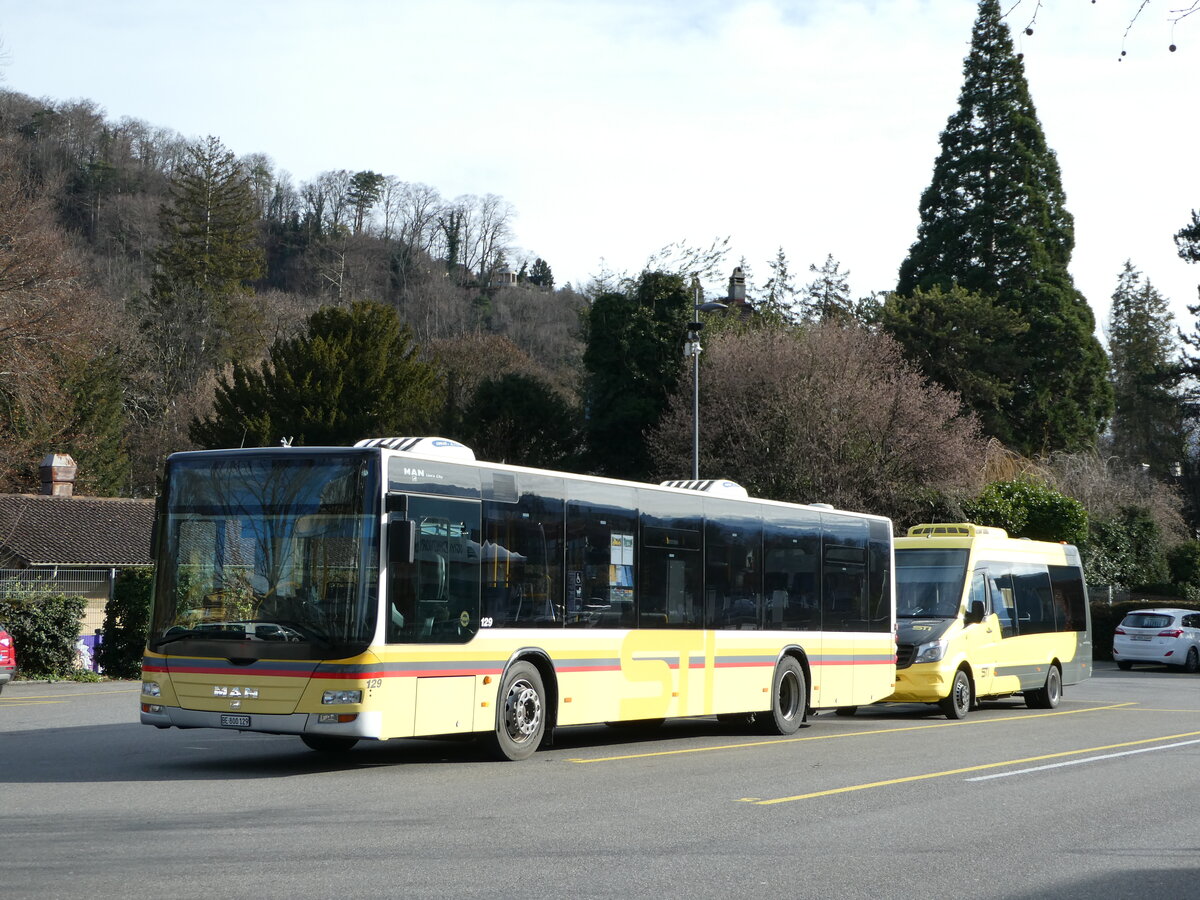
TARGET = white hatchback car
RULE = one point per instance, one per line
(1166, 636)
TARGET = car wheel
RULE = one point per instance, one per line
(1124, 666)
(1192, 663)
(958, 704)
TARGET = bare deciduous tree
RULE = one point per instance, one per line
(824, 414)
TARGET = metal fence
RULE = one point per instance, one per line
(93, 584)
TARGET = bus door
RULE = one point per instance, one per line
(433, 598)
(982, 638)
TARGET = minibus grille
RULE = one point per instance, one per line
(904, 655)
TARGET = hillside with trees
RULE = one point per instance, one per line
(161, 293)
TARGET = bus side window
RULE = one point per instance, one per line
(1002, 601)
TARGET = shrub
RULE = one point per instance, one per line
(1126, 550)
(126, 620)
(44, 628)
(1026, 508)
(1184, 562)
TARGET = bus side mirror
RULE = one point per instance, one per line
(976, 613)
(402, 541)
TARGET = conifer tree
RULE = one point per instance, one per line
(779, 297)
(353, 373)
(994, 221)
(1147, 422)
(633, 360)
(198, 314)
(827, 297)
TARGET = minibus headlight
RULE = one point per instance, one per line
(342, 697)
(930, 652)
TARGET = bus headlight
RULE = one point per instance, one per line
(151, 689)
(342, 697)
(931, 652)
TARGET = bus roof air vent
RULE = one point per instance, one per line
(422, 446)
(956, 529)
(718, 487)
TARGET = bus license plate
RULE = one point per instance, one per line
(236, 721)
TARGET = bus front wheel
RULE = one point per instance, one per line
(1047, 696)
(958, 704)
(521, 714)
(789, 699)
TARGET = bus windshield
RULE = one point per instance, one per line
(929, 583)
(268, 549)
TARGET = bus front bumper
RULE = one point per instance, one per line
(365, 725)
(923, 683)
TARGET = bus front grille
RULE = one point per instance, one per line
(904, 655)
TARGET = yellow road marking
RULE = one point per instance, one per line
(62, 698)
(847, 734)
(979, 768)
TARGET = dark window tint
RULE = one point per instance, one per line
(791, 568)
(1070, 598)
(522, 552)
(671, 564)
(1143, 620)
(426, 477)
(732, 565)
(601, 562)
(844, 604)
(879, 576)
(434, 597)
(1033, 598)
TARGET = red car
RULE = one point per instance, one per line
(8, 658)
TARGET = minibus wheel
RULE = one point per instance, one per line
(1046, 697)
(520, 713)
(958, 704)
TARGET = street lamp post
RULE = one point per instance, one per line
(692, 348)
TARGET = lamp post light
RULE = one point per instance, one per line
(692, 348)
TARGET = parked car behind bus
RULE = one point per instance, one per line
(1166, 636)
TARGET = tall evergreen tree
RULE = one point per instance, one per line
(540, 274)
(199, 315)
(779, 296)
(353, 373)
(1147, 423)
(827, 297)
(633, 359)
(994, 221)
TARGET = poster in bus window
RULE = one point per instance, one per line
(620, 570)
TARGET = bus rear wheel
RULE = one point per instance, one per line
(1047, 696)
(327, 743)
(789, 699)
(958, 704)
(521, 713)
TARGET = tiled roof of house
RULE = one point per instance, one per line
(40, 530)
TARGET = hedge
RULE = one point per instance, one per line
(45, 628)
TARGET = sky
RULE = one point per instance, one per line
(617, 127)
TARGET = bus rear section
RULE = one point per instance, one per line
(982, 616)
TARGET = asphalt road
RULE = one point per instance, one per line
(1097, 799)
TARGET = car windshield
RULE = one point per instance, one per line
(279, 549)
(1143, 620)
(929, 582)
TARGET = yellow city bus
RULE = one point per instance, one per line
(400, 588)
(982, 615)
